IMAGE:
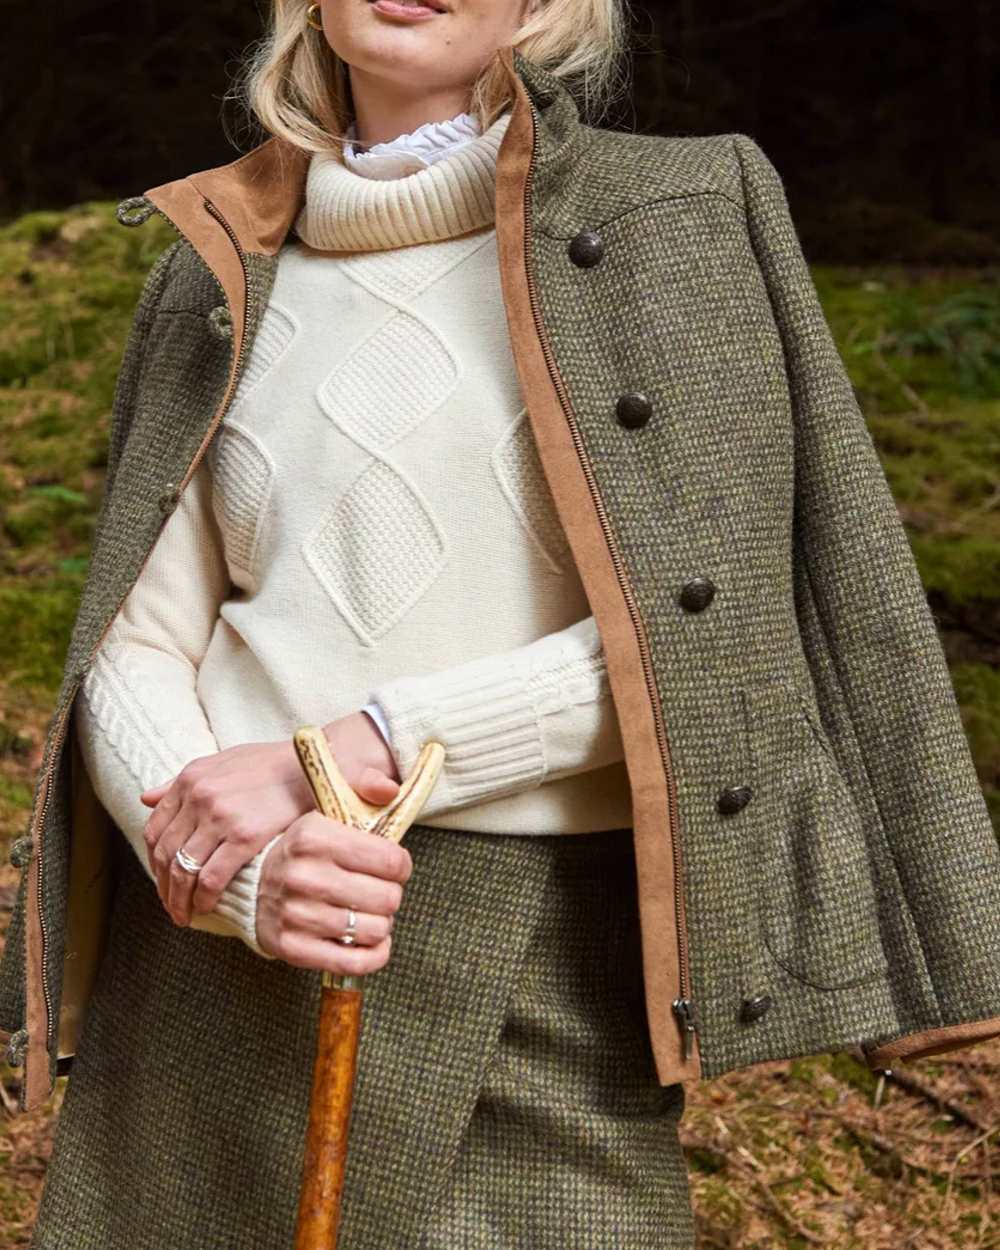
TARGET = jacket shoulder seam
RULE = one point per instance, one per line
(700, 193)
(716, 170)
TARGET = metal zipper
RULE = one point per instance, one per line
(683, 1006)
(57, 742)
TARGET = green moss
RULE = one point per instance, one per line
(964, 569)
(12, 741)
(69, 282)
(806, 1069)
(14, 793)
(848, 1070)
(977, 688)
(36, 618)
(705, 1161)
(901, 333)
(35, 520)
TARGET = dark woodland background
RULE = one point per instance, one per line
(881, 117)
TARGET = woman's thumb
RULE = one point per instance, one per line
(375, 786)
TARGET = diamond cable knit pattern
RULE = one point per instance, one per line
(522, 479)
(244, 470)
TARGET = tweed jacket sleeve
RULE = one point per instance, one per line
(887, 700)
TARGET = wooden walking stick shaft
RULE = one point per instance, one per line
(329, 1117)
(341, 995)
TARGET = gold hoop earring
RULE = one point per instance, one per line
(313, 8)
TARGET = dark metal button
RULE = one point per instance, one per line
(633, 409)
(169, 497)
(20, 852)
(586, 248)
(221, 321)
(696, 594)
(753, 1008)
(734, 799)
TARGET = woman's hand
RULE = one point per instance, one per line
(223, 808)
(310, 878)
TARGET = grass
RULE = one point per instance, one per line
(788, 1154)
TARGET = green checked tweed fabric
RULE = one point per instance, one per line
(859, 889)
(505, 1094)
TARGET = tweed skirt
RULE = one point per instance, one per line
(505, 1096)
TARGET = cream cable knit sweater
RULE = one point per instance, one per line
(371, 521)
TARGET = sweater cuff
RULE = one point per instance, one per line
(491, 715)
(238, 901)
(487, 724)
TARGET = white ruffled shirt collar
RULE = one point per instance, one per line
(410, 152)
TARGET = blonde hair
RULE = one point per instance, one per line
(296, 86)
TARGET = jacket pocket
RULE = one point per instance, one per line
(818, 906)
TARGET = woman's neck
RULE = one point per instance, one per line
(381, 112)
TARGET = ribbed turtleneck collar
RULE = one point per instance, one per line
(346, 211)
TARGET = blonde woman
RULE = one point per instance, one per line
(453, 415)
(370, 527)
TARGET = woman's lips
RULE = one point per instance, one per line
(413, 12)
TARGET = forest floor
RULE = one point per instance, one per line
(789, 1154)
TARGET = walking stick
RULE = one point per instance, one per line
(340, 1005)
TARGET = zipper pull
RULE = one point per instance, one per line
(684, 1011)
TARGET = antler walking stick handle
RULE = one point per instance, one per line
(341, 995)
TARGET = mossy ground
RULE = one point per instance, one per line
(790, 1154)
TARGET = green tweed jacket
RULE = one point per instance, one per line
(816, 866)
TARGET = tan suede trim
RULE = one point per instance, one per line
(185, 206)
(37, 1086)
(575, 507)
(933, 1042)
(88, 907)
(260, 194)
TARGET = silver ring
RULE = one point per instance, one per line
(186, 862)
(347, 939)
